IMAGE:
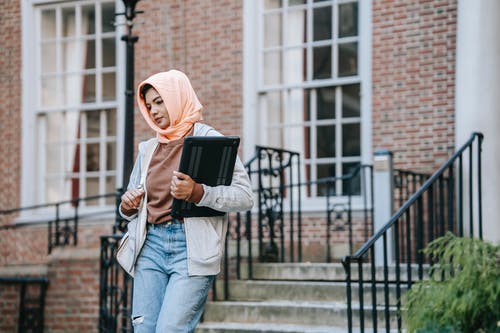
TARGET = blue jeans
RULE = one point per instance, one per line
(165, 298)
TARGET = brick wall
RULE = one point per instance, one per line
(72, 303)
(412, 106)
(10, 103)
(204, 40)
(413, 80)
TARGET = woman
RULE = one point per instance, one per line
(177, 262)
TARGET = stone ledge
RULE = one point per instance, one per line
(23, 270)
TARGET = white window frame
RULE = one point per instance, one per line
(31, 192)
(252, 130)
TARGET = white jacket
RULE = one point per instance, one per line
(205, 236)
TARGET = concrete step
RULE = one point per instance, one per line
(317, 291)
(286, 312)
(208, 327)
(322, 272)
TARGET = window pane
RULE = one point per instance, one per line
(325, 141)
(351, 140)
(273, 108)
(78, 144)
(307, 142)
(108, 52)
(110, 187)
(92, 157)
(108, 17)
(111, 156)
(72, 88)
(111, 122)
(91, 189)
(49, 59)
(348, 19)
(88, 20)
(270, 4)
(89, 88)
(48, 24)
(295, 65)
(275, 137)
(326, 103)
(68, 22)
(296, 2)
(90, 54)
(296, 28)
(93, 124)
(296, 110)
(108, 86)
(352, 185)
(54, 158)
(294, 138)
(70, 56)
(326, 171)
(322, 23)
(272, 68)
(322, 62)
(348, 59)
(50, 97)
(350, 101)
(307, 105)
(272, 30)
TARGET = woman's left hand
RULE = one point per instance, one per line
(182, 186)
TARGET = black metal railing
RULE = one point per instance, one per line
(61, 218)
(31, 301)
(276, 223)
(450, 200)
(275, 226)
(115, 291)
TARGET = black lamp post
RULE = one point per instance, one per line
(128, 142)
(128, 149)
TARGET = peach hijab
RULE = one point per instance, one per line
(183, 106)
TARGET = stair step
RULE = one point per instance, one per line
(208, 327)
(322, 271)
(227, 327)
(263, 290)
(283, 312)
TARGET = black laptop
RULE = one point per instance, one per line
(207, 160)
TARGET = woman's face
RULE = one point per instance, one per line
(157, 109)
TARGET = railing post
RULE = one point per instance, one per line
(383, 184)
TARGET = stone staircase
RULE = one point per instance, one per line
(293, 298)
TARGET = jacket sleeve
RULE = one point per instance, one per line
(236, 197)
(135, 178)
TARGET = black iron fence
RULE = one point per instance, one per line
(61, 217)
(115, 293)
(450, 200)
(276, 224)
(32, 291)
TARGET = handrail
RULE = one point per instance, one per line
(436, 206)
(59, 203)
(365, 247)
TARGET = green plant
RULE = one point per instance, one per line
(463, 293)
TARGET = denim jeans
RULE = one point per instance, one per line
(165, 298)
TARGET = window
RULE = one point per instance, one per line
(309, 84)
(75, 101)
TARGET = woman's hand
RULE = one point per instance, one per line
(182, 186)
(132, 199)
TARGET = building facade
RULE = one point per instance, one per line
(334, 80)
